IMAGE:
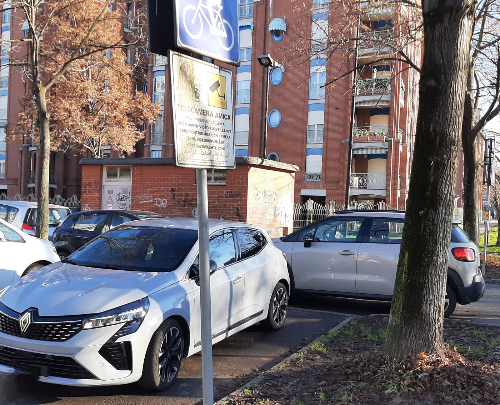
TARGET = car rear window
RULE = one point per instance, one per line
(56, 216)
(458, 235)
(147, 249)
(8, 213)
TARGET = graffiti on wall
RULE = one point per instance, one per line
(116, 197)
(157, 201)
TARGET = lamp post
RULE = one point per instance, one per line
(267, 62)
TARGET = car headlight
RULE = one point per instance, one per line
(130, 313)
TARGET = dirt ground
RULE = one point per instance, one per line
(348, 367)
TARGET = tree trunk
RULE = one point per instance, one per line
(471, 166)
(42, 220)
(416, 319)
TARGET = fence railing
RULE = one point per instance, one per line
(71, 202)
(372, 181)
(370, 87)
(377, 39)
(367, 132)
(310, 211)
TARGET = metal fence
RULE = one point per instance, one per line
(71, 202)
(310, 211)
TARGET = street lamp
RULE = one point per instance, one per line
(267, 62)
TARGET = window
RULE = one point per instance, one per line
(2, 170)
(157, 131)
(338, 230)
(156, 154)
(251, 242)
(160, 60)
(222, 249)
(118, 173)
(6, 14)
(243, 91)
(274, 118)
(4, 82)
(159, 90)
(319, 4)
(241, 138)
(8, 213)
(245, 54)
(216, 177)
(315, 133)
(90, 222)
(10, 235)
(119, 219)
(276, 75)
(386, 230)
(246, 8)
(317, 85)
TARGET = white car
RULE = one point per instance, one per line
(20, 254)
(22, 214)
(126, 306)
(355, 254)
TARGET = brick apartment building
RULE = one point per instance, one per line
(351, 140)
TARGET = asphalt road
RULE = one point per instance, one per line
(235, 360)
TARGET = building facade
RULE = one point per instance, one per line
(344, 118)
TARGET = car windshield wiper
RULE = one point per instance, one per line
(70, 261)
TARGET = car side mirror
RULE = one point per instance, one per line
(195, 268)
(2, 237)
(308, 241)
(213, 266)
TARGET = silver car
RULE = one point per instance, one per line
(355, 254)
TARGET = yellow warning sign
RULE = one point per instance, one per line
(217, 97)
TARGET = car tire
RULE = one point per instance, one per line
(32, 268)
(450, 302)
(278, 307)
(163, 357)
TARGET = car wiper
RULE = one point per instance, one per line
(70, 261)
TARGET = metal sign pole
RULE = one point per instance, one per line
(205, 302)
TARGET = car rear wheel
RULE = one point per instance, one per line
(163, 357)
(450, 301)
(278, 307)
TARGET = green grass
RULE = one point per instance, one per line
(492, 241)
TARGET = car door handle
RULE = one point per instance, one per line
(237, 280)
(346, 253)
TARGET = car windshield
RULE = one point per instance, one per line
(147, 249)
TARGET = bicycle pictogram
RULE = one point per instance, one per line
(210, 13)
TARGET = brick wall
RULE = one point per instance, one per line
(255, 193)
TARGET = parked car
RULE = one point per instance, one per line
(22, 214)
(81, 227)
(126, 307)
(355, 254)
(21, 254)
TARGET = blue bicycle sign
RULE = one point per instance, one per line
(209, 27)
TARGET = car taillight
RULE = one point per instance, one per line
(26, 227)
(463, 254)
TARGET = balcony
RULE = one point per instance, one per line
(375, 10)
(313, 176)
(32, 179)
(373, 92)
(370, 134)
(374, 45)
(368, 184)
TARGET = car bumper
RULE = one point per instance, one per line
(89, 358)
(473, 292)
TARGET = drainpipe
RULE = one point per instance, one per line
(351, 126)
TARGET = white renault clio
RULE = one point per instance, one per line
(126, 306)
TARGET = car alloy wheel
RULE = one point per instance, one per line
(164, 356)
(278, 307)
(170, 355)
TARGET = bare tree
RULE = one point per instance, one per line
(60, 33)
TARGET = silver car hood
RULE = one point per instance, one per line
(62, 289)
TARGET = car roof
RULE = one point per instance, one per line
(137, 213)
(189, 223)
(373, 213)
(27, 204)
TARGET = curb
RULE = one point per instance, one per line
(257, 380)
(492, 281)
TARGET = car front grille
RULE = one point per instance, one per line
(53, 329)
(44, 365)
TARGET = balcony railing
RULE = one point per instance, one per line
(370, 181)
(373, 87)
(52, 177)
(370, 132)
(377, 39)
(246, 10)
